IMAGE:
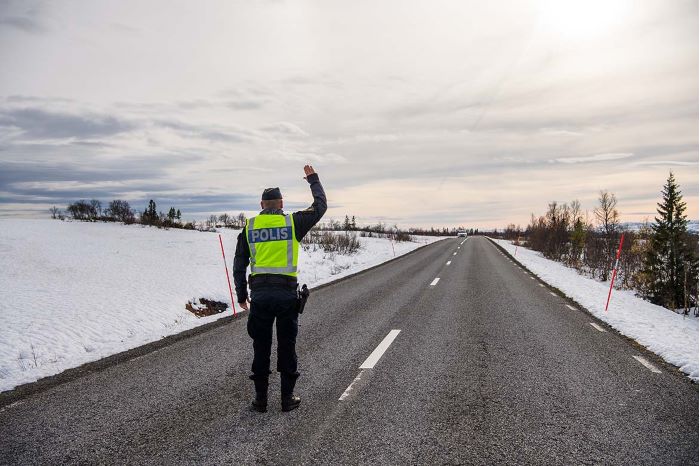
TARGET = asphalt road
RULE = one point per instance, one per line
(488, 368)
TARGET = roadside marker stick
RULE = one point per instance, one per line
(617, 260)
(221, 242)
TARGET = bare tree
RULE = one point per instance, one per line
(121, 211)
(609, 221)
(96, 207)
(55, 211)
(606, 213)
(82, 210)
(225, 219)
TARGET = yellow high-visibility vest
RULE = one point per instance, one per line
(273, 244)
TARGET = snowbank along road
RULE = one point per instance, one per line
(451, 354)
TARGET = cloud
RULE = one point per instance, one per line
(23, 23)
(309, 156)
(594, 158)
(22, 15)
(559, 132)
(664, 163)
(37, 123)
(142, 179)
(232, 134)
(284, 127)
(244, 104)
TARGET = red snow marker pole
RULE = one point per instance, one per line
(617, 260)
(227, 277)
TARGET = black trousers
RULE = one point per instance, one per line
(268, 305)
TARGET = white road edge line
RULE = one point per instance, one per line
(571, 307)
(448, 262)
(597, 327)
(379, 350)
(347, 391)
(647, 364)
(434, 282)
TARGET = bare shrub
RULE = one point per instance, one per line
(344, 243)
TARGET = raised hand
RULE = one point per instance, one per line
(308, 170)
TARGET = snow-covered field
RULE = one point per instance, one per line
(73, 292)
(672, 336)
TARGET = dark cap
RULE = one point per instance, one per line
(271, 193)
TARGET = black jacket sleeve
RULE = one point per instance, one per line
(305, 219)
(240, 264)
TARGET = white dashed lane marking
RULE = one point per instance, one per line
(647, 364)
(348, 390)
(572, 308)
(541, 285)
(597, 327)
(379, 350)
(448, 262)
(371, 360)
(434, 282)
(553, 294)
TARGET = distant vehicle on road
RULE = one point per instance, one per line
(462, 234)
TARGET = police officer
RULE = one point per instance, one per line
(270, 244)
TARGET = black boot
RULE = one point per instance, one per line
(290, 402)
(260, 401)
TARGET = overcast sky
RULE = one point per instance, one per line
(467, 113)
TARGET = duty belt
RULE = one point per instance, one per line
(268, 280)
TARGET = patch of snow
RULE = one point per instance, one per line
(672, 336)
(636, 226)
(75, 292)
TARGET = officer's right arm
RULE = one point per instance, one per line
(304, 220)
(240, 264)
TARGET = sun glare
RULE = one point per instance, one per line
(582, 19)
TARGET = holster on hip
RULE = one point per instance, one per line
(302, 295)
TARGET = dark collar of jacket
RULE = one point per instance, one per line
(272, 212)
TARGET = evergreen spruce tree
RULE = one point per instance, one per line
(150, 215)
(666, 264)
